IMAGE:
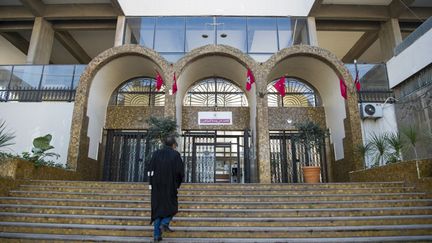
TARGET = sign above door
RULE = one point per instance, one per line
(213, 118)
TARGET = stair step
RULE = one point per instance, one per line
(237, 198)
(96, 238)
(203, 212)
(216, 204)
(233, 222)
(220, 232)
(221, 191)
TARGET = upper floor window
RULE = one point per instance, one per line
(297, 94)
(138, 92)
(260, 37)
(215, 92)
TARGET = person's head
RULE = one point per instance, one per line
(170, 141)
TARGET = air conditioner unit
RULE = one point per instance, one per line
(371, 110)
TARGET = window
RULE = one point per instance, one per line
(231, 31)
(138, 92)
(262, 36)
(215, 92)
(298, 94)
(170, 34)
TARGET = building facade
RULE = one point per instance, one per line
(86, 72)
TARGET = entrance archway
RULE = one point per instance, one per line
(323, 70)
(101, 77)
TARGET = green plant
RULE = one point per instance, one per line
(160, 128)
(363, 149)
(6, 137)
(413, 137)
(378, 143)
(311, 136)
(396, 143)
(41, 146)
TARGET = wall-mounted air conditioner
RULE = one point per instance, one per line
(371, 110)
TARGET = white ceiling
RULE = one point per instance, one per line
(338, 42)
(358, 2)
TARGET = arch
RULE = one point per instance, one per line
(132, 91)
(116, 58)
(303, 91)
(322, 70)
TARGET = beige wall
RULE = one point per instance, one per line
(9, 54)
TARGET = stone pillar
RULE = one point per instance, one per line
(170, 107)
(390, 36)
(263, 136)
(41, 42)
(313, 37)
(120, 31)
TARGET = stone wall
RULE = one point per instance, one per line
(13, 171)
(402, 171)
(278, 116)
(241, 118)
(130, 117)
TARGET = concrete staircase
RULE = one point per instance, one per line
(119, 212)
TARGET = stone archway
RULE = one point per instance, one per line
(120, 57)
(309, 62)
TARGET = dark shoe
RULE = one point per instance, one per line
(165, 228)
(158, 239)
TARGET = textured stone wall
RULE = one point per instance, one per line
(402, 171)
(130, 117)
(240, 118)
(278, 116)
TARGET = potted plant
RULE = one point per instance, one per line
(312, 137)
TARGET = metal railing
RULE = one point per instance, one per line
(37, 83)
(376, 96)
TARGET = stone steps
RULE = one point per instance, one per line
(224, 198)
(219, 221)
(217, 204)
(119, 212)
(234, 232)
(219, 191)
(54, 238)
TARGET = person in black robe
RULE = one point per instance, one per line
(166, 172)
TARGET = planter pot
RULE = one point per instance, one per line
(311, 174)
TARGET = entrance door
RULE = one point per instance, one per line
(287, 158)
(127, 154)
(216, 156)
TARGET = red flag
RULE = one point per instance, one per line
(159, 81)
(174, 87)
(248, 86)
(250, 79)
(280, 86)
(343, 88)
(357, 81)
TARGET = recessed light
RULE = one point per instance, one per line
(204, 36)
(223, 35)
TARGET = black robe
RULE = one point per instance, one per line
(166, 172)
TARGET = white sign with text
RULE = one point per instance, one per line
(215, 118)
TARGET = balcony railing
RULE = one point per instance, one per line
(37, 83)
(374, 82)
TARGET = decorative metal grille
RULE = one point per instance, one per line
(127, 155)
(287, 158)
(297, 94)
(139, 92)
(215, 92)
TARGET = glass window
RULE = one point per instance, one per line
(199, 32)
(170, 34)
(297, 93)
(5, 75)
(139, 92)
(142, 30)
(79, 69)
(26, 77)
(232, 31)
(262, 36)
(285, 31)
(57, 76)
(215, 92)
